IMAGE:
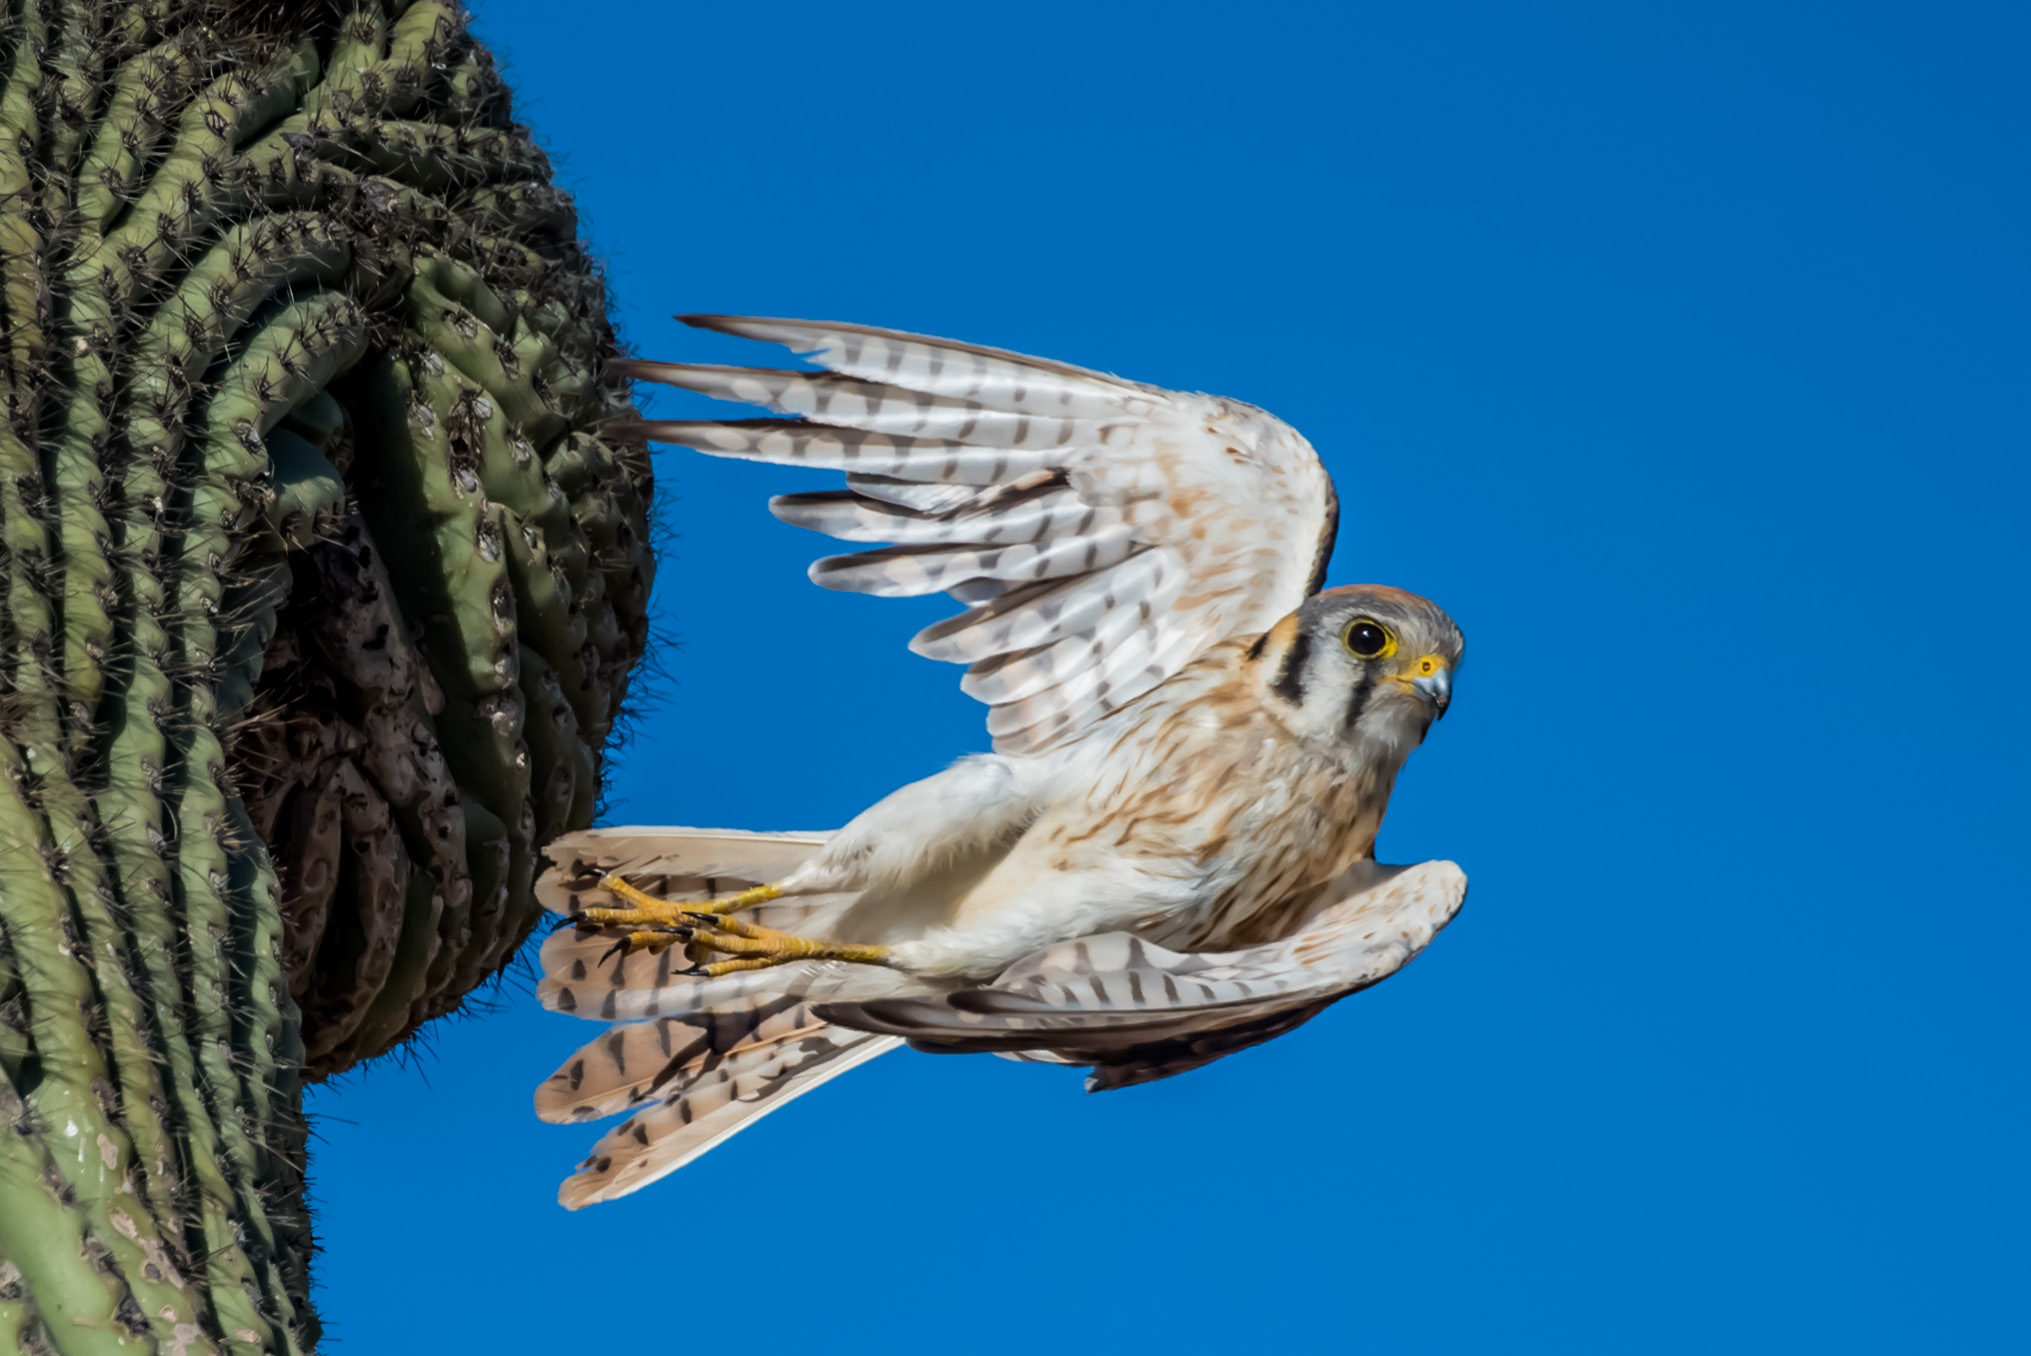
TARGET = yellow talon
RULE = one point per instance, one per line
(714, 969)
(757, 948)
(706, 926)
(667, 909)
(743, 899)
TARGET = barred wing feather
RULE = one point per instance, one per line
(1136, 1011)
(1102, 533)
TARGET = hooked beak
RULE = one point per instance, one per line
(1433, 681)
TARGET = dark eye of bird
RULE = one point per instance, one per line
(1366, 639)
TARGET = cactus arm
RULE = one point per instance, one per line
(211, 680)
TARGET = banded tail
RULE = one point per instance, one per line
(692, 1061)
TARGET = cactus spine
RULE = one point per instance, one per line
(320, 587)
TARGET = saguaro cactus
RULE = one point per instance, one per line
(319, 591)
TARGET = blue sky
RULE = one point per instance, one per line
(1680, 352)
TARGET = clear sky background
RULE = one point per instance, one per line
(1680, 351)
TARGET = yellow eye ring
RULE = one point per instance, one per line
(1367, 638)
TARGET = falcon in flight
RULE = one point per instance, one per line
(1168, 857)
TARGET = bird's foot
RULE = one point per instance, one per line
(645, 908)
(749, 947)
(705, 930)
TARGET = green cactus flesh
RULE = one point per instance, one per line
(320, 586)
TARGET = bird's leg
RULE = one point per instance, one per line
(664, 913)
(757, 948)
(705, 928)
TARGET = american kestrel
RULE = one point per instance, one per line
(1169, 855)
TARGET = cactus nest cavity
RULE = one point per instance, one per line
(319, 592)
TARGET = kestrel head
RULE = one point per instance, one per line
(1364, 665)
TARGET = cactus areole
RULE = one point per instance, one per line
(319, 588)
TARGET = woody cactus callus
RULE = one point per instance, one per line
(319, 590)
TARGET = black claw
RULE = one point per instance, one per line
(679, 936)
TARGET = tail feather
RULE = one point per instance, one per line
(716, 1054)
(732, 1095)
(583, 974)
(634, 1063)
(669, 863)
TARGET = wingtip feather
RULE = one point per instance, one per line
(715, 322)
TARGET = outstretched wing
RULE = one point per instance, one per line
(1102, 533)
(1137, 1012)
